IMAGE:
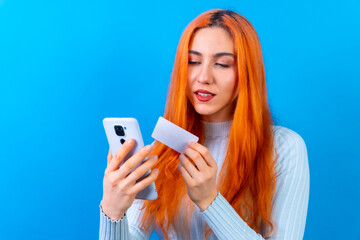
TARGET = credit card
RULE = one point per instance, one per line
(172, 135)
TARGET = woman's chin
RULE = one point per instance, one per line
(205, 112)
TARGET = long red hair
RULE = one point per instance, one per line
(247, 177)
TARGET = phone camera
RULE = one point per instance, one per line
(119, 130)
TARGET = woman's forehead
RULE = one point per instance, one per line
(212, 40)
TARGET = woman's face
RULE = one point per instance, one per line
(212, 74)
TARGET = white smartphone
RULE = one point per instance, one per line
(117, 131)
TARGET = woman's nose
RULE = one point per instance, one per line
(204, 76)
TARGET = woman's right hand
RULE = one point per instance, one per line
(119, 184)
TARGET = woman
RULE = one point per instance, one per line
(245, 179)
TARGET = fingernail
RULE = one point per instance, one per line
(189, 144)
(129, 140)
(156, 171)
(148, 148)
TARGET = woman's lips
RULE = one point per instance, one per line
(203, 95)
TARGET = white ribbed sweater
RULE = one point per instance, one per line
(290, 201)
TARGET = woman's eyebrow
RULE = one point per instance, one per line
(220, 54)
(195, 52)
(223, 54)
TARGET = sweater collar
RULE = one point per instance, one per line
(219, 129)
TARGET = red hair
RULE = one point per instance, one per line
(247, 177)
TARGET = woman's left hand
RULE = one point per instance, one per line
(200, 179)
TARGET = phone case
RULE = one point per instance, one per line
(117, 131)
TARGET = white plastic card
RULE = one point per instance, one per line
(172, 135)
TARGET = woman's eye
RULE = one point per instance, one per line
(193, 62)
(222, 65)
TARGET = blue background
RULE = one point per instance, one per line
(65, 65)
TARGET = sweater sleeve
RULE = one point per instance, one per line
(290, 200)
(128, 227)
(111, 229)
